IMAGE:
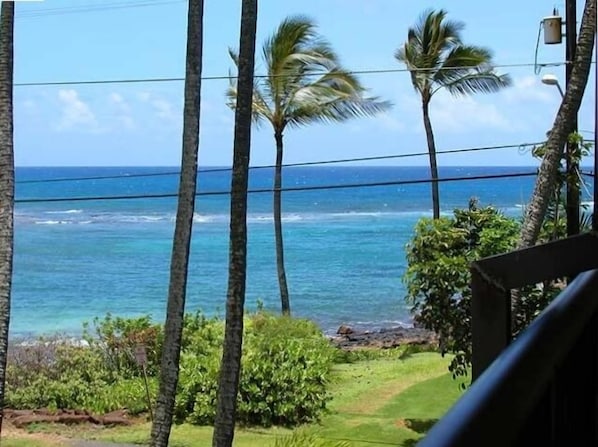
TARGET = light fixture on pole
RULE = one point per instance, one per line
(550, 79)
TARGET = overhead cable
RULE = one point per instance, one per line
(287, 189)
(287, 165)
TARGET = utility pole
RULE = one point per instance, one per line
(573, 196)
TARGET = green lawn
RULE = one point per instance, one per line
(375, 403)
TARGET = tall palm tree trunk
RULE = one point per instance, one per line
(432, 155)
(7, 184)
(282, 276)
(228, 385)
(169, 369)
(547, 174)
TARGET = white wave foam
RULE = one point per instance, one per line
(254, 218)
(65, 212)
(51, 222)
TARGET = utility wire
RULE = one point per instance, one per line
(44, 12)
(288, 165)
(232, 77)
(288, 189)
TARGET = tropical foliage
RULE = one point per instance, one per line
(438, 59)
(305, 83)
(284, 377)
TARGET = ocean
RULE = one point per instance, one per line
(345, 257)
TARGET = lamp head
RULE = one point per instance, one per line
(550, 79)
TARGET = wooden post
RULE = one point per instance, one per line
(141, 359)
(490, 322)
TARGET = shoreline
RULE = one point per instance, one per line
(347, 338)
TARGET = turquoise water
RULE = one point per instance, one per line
(344, 248)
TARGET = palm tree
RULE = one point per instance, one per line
(304, 84)
(228, 385)
(7, 184)
(436, 58)
(547, 175)
(169, 370)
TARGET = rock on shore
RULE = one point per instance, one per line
(348, 338)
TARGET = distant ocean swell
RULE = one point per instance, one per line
(344, 254)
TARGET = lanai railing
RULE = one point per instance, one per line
(542, 388)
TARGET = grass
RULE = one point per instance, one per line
(376, 403)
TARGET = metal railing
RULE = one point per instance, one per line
(542, 389)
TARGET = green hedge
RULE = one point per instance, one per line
(285, 369)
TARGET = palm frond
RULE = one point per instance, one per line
(260, 109)
(437, 58)
(305, 81)
(478, 82)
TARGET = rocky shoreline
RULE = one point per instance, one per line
(347, 338)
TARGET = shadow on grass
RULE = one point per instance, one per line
(421, 426)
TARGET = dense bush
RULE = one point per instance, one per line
(437, 277)
(284, 373)
(285, 367)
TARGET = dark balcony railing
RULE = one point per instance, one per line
(542, 389)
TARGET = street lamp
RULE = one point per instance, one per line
(550, 79)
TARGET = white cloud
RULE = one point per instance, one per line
(389, 122)
(29, 104)
(163, 108)
(530, 89)
(144, 96)
(465, 113)
(122, 110)
(75, 113)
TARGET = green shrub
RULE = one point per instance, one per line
(285, 368)
(53, 374)
(286, 364)
(283, 379)
(116, 338)
(438, 277)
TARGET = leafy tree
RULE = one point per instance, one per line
(438, 278)
(304, 84)
(438, 59)
(7, 184)
(177, 289)
(230, 368)
(548, 173)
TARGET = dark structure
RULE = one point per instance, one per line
(542, 389)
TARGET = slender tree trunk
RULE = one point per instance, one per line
(228, 384)
(547, 174)
(282, 276)
(7, 188)
(432, 155)
(169, 369)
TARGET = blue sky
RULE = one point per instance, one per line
(140, 124)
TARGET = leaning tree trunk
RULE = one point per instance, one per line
(547, 174)
(7, 184)
(432, 155)
(282, 276)
(228, 385)
(169, 369)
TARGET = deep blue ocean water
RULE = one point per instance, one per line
(344, 247)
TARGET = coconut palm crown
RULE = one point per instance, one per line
(304, 83)
(438, 59)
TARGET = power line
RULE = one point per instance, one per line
(44, 12)
(288, 189)
(229, 77)
(288, 165)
